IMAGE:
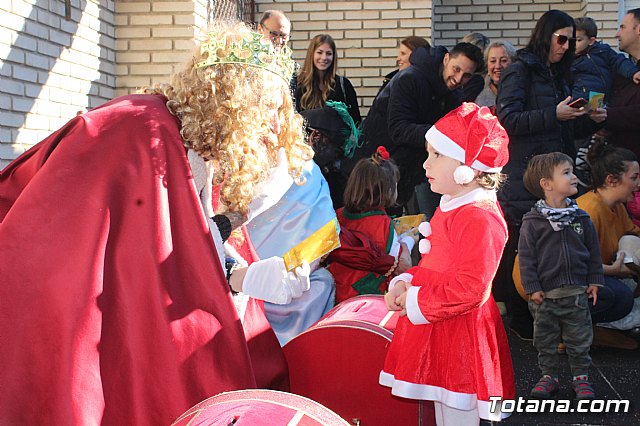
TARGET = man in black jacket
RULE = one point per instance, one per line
(412, 102)
(624, 105)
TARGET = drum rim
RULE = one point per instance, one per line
(314, 410)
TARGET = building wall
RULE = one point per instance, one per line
(630, 4)
(154, 39)
(513, 20)
(51, 67)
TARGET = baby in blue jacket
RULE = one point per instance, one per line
(595, 62)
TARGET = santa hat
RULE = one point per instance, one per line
(473, 136)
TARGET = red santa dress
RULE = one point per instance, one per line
(113, 306)
(350, 281)
(451, 347)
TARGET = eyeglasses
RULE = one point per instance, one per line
(276, 36)
(562, 39)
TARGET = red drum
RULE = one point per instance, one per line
(337, 362)
(259, 407)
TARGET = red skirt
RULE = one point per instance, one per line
(460, 362)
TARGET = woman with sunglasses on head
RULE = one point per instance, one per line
(533, 105)
(318, 82)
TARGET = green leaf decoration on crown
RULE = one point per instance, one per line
(249, 49)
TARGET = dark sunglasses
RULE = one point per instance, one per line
(562, 39)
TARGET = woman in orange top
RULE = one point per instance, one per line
(615, 176)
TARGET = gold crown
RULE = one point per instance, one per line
(247, 49)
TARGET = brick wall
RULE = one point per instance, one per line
(513, 20)
(154, 38)
(367, 34)
(51, 67)
(631, 4)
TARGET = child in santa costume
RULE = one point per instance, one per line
(450, 346)
(370, 190)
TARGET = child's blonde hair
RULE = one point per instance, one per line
(226, 111)
(491, 181)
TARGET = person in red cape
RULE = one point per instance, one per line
(450, 346)
(114, 306)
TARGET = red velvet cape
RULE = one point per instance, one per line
(113, 306)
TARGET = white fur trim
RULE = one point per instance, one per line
(232, 252)
(198, 169)
(448, 203)
(463, 175)
(207, 191)
(424, 246)
(457, 400)
(425, 229)
(413, 308)
(444, 145)
(402, 277)
(202, 172)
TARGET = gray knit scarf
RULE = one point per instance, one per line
(558, 218)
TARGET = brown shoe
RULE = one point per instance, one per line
(611, 338)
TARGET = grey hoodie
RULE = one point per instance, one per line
(553, 259)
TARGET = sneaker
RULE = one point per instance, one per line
(583, 389)
(546, 387)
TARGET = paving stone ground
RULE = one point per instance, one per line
(615, 374)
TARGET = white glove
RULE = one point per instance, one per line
(408, 240)
(299, 282)
(268, 280)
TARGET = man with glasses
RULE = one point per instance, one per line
(276, 27)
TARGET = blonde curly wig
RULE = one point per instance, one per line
(227, 112)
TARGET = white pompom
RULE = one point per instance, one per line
(424, 246)
(463, 175)
(425, 229)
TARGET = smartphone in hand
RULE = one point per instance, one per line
(578, 103)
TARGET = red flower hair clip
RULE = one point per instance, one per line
(383, 153)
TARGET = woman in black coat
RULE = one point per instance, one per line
(533, 106)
